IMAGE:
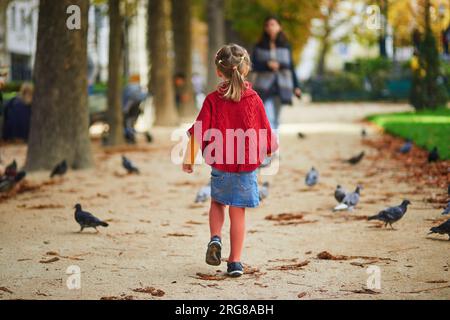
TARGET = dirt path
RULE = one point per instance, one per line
(157, 237)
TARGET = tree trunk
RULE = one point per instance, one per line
(126, 48)
(321, 64)
(115, 72)
(383, 29)
(3, 30)
(216, 38)
(182, 36)
(427, 8)
(161, 70)
(60, 120)
(325, 43)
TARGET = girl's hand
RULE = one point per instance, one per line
(188, 168)
(298, 93)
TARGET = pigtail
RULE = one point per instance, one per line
(236, 86)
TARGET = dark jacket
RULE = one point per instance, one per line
(269, 83)
(17, 116)
(1, 103)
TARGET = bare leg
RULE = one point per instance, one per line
(216, 218)
(237, 233)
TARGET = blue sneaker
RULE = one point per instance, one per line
(235, 269)
(213, 254)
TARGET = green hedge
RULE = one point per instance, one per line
(365, 79)
(427, 128)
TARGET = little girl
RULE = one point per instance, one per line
(233, 109)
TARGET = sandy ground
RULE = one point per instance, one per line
(157, 237)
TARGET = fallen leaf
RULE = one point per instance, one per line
(117, 298)
(45, 206)
(437, 281)
(364, 291)
(4, 289)
(176, 234)
(301, 295)
(50, 260)
(193, 222)
(325, 255)
(285, 217)
(150, 290)
(203, 276)
(296, 266)
(41, 294)
(260, 285)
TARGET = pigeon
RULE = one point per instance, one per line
(149, 137)
(60, 169)
(312, 177)
(129, 166)
(433, 156)
(7, 183)
(391, 214)
(363, 133)
(406, 147)
(350, 200)
(444, 228)
(86, 219)
(264, 191)
(447, 209)
(301, 135)
(11, 169)
(203, 194)
(356, 159)
(339, 193)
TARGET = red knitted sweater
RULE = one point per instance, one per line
(234, 136)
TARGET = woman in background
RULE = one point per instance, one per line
(275, 81)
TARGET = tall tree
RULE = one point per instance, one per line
(336, 16)
(161, 84)
(59, 122)
(182, 37)
(115, 73)
(428, 90)
(216, 37)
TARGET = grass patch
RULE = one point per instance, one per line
(427, 128)
(8, 96)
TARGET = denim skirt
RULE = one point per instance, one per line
(235, 189)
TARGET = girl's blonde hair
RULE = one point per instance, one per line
(233, 61)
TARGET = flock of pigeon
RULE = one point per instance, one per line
(12, 177)
(349, 200)
(346, 200)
